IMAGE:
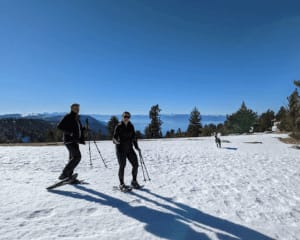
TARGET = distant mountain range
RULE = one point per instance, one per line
(99, 121)
(15, 128)
(54, 118)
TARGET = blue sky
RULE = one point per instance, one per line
(114, 55)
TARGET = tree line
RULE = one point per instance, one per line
(244, 120)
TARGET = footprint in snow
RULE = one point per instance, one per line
(40, 213)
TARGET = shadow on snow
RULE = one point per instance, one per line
(173, 225)
(230, 148)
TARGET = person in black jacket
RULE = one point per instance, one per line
(218, 141)
(73, 135)
(124, 138)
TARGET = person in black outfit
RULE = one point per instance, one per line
(218, 141)
(73, 135)
(124, 137)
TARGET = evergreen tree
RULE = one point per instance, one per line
(265, 121)
(147, 132)
(138, 134)
(170, 134)
(241, 121)
(294, 107)
(194, 128)
(281, 114)
(283, 117)
(297, 83)
(111, 125)
(220, 128)
(209, 130)
(154, 128)
(179, 133)
(294, 112)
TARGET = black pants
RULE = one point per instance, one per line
(218, 142)
(74, 159)
(132, 157)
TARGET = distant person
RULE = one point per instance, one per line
(218, 141)
(73, 135)
(124, 137)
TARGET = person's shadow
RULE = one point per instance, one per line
(174, 224)
(221, 226)
(230, 148)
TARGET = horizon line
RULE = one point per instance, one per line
(110, 114)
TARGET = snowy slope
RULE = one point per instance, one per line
(243, 191)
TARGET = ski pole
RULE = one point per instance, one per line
(145, 167)
(90, 153)
(100, 153)
(149, 179)
(89, 139)
(142, 167)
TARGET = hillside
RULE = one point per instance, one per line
(95, 125)
(15, 128)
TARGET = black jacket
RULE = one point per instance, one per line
(124, 137)
(73, 132)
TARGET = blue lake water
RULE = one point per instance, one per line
(172, 121)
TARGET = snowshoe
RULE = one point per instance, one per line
(124, 188)
(135, 185)
(64, 182)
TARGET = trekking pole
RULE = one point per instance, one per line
(89, 139)
(143, 163)
(90, 153)
(100, 153)
(142, 167)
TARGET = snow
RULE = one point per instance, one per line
(242, 191)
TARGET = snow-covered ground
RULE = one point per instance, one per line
(243, 191)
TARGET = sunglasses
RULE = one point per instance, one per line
(126, 116)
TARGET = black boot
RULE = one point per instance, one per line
(63, 176)
(124, 188)
(135, 185)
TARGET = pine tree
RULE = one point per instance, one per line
(154, 128)
(297, 83)
(170, 134)
(179, 133)
(147, 132)
(265, 121)
(194, 128)
(294, 112)
(294, 107)
(282, 113)
(209, 130)
(220, 128)
(111, 125)
(283, 117)
(241, 121)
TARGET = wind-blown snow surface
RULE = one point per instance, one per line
(243, 191)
